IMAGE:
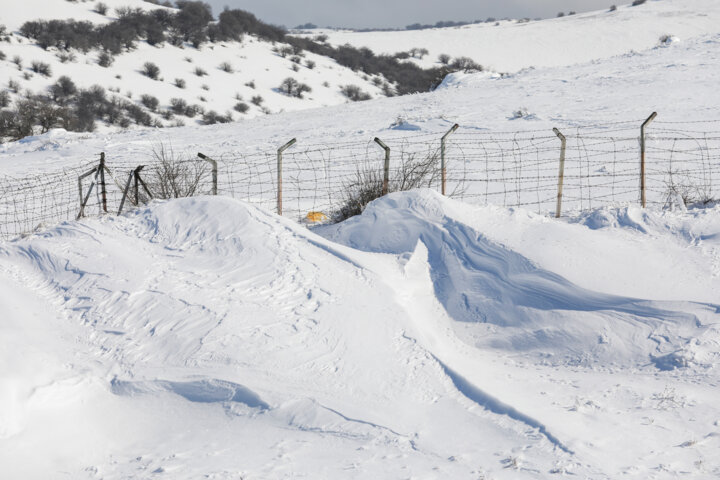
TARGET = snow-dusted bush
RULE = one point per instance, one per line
(241, 107)
(354, 93)
(41, 68)
(178, 106)
(226, 67)
(613, 8)
(444, 58)
(101, 8)
(257, 100)
(635, 3)
(4, 99)
(105, 59)
(2, 55)
(465, 63)
(180, 83)
(150, 102)
(293, 88)
(173, 175)
(62, 90)
(310, 64)
(212, 117)
(17, 61)
(150, 70)
(200, 72)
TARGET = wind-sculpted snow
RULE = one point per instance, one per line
(205, 337)
(483, 283)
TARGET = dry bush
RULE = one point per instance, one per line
(416, 171)
(174, 175)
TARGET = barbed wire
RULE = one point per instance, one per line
(512, 169)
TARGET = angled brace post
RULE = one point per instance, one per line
(214, 171)
(386, 167)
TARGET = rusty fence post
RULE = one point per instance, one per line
(443, 171)
(642, 157)
(103, 190)
(386, 167)
(84, 199)
(134, 175)
(214, 171)
(561, 172)
(279, 174)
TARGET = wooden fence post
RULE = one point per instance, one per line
(386, 167)
(642, 157)
(561, 172)
(279, 174)
(442, 157)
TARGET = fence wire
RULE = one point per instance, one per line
(511, 169)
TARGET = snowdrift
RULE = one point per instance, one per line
(204, 337)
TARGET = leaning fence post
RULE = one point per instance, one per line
(103, 190)
(442, 157)
(386, 168)
(561, 172)
(214, 171)
(279, 173)
(642, 156)
(84, 199)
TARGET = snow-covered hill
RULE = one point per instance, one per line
(511, 46)
(216, 76)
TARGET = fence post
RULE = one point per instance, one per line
(84, 199)
(386, 168)
(442, 157)
(561, 172)
(103, 190)
(214, 171)
(642, 157)
(279, 174)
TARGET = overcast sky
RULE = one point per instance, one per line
(399, 13)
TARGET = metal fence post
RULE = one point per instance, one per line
(442, 157)
(214, 171)
(386, 168)
(642, 157)
(561, 172)
(279, 174)
(103, 190)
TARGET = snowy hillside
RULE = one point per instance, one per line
(511, 46)
(239, 78)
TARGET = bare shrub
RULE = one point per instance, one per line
(150, 102)
(150, 70)
(174, 175)
(416, 171)
(41, 68)
(444, 58)
(200, 72)
(101, 8)
(226, 67)
(105, 59)
(353, 93)
(293, 88)
(180, 83)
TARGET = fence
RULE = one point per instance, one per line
(602, 166)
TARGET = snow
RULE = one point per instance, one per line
(207, 337)
(512, 46)
(230, 342)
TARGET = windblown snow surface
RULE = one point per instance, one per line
(204, 338)
(424, 339)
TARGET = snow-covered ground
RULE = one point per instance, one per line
(426, 338)
(257, 71)
(511, 46)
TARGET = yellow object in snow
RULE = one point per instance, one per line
(315, 217)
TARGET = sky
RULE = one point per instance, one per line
(399, 13)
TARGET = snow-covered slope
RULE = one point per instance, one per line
(256, 70)
(511, 46)
(204, 337)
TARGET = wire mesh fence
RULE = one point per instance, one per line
(512, 169)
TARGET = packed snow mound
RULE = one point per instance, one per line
(487, 285)
(416, 346)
